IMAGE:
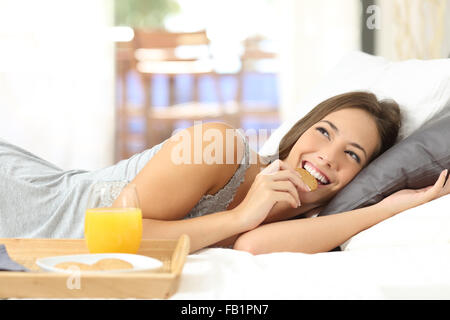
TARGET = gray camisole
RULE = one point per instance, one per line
(40, 200)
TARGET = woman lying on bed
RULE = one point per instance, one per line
(247, 203)
(336, 139)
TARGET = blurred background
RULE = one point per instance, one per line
(86, 83)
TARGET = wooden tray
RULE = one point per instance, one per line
(159, 284)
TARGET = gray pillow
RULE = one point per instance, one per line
(412, 163)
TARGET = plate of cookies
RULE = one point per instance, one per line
(99, 262)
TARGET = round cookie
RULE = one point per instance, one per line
(308, 178)
(112, 264)
(69, 265)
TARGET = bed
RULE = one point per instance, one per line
(404, 257)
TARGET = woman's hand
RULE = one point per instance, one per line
(278, 182)
(409, 198)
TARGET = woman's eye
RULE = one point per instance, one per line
(354, 156)
(323, 131)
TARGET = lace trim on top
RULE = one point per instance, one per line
(221, 199)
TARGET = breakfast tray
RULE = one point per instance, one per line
(159, 284)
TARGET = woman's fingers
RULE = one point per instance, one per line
(287, 197)
(441, 180)
(293, 177)
(445, 184)
(287, 186)
(304, 186)
(301, 184)
(272, 168)
(283, 171)
(439, 188)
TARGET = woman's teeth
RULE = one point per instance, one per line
(316, 174)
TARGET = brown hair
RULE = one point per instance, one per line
(386, 114)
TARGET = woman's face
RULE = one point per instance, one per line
(334, 150)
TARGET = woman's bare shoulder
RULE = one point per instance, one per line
(190, 164)
(210, 143)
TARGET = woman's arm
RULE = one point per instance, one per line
(324, 233)
(310, 235)
(203, 231)
(270, 187)
(177, 177)
(169, 188)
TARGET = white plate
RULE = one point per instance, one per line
(139, 262)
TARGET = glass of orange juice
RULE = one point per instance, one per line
(113, 224)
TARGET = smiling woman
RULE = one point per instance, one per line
(338, 138)
(241, 203)
(333, 143)
(335, 149)
(385, 113)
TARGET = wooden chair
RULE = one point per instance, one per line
(158, 53)
(253, 55)
(125, 62)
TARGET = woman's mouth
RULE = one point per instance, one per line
(320, 177)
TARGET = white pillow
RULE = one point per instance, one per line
(423, 225)
(420, 87)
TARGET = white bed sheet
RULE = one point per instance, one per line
(416, 270)
(388, 273)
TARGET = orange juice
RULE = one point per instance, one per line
(113, 230)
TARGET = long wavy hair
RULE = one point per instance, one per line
(386, 114)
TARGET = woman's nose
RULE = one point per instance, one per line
(329, 158)
(326, 162)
